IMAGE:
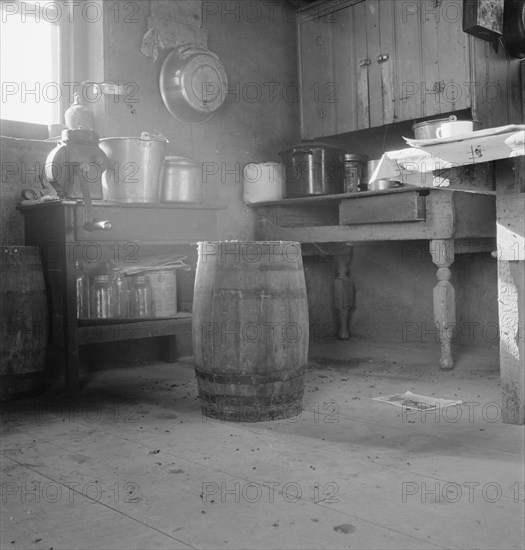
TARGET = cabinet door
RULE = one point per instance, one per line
(376, 62)
(407, 60)
(316, 77)
(453, 58)
(432, 61)
(380, 32)
(351, 68)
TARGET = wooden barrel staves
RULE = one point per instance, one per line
(250, 330)
(24, 323)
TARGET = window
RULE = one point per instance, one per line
(30, 64)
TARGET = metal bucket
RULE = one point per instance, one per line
(135, 166)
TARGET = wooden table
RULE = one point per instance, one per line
(136, 229)
(453, 222)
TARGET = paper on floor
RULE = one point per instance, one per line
(414, 402)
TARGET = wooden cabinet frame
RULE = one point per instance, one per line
(367, 63)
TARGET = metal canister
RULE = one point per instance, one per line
(355, 168)
(182, 181)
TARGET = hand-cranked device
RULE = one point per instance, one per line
(74, 168)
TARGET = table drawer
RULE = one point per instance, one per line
(395, 207)
(148, 224)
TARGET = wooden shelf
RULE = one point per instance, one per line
(340, 196)
(126, 205)
(117, 331)
(57, 228)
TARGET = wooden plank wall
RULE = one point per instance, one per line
(498, 83)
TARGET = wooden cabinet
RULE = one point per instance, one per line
(367, 63)
(137, 231)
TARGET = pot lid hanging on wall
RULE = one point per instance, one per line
(193, 84)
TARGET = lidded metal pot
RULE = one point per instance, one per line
(313, 168)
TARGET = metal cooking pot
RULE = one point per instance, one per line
(382, 184)
(182, 181)
(427, 129)
(135, 165)
(313, 168)
(193, 83)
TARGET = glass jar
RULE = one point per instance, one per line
(140, 298)
(82, 286)
(121, 293)
(354, 172)
(102, 298)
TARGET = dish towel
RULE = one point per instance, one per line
(414, 165)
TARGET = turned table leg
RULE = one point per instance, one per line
(343, 292)
(442, 252)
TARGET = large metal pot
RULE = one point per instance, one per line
(182, 181)
(193, 83)
(313, 168)
(135, 165)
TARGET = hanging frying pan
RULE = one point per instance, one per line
(514, 28)
(193, 84)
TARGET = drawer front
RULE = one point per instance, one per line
(148, 224)
(389, 208)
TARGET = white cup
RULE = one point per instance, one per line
(454, 128)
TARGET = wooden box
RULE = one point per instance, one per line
(483, 18)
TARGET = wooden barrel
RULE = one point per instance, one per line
(24, 323)
(250, 330)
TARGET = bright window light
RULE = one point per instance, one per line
(29, 65)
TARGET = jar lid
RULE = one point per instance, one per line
(101, 278)
(355, 157)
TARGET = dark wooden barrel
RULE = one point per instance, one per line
(250, 330)
(24, 322)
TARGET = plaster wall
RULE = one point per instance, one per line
(256, 121)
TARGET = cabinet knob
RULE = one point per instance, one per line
(381, 58)
(364, 62)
